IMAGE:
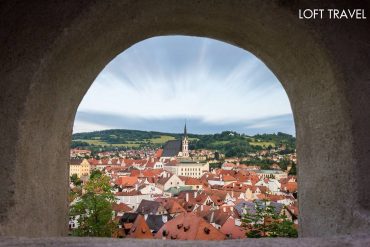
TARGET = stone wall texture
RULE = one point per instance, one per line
(51, 52)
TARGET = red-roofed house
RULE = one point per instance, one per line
(126, 181)
(158, 153)
(195, 183)
(140, 229)
(189, 226)
(228, 166)
(121, 208)
(231, 230)
(228, 179)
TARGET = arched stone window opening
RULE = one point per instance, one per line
(54, 51)
(153, 86)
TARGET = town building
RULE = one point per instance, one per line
(176, 148)
(80, 167)
(189, 226)
(188, 168)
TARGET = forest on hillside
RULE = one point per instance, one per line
(230, 143)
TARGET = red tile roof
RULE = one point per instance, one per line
(290, 187)
(126, 181)
(189, 226)
(121, 207)
(140, 229)
(130, 193)
(158, 153)
(134, 173)
(231, 230)
(192, 181)
(93, 161)
(172, 206)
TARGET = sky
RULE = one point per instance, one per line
(159, 83)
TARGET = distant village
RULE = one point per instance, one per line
(175, 193)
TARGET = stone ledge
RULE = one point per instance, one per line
(277, 242)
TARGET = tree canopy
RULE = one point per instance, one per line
(93, 210)
(264, 221)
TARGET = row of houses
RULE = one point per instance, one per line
(171, 195)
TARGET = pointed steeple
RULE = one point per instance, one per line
(185, 132)
(185, 143)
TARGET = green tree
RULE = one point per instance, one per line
(283, 228)
(75, 180)
(264, 221)
(293, 170)
(95, 174)
(94, 209)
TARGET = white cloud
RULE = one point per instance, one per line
(83, 126)
(148, 81)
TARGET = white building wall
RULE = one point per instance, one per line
(133, 201)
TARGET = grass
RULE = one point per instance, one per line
(93, 142)
(164, 138)
(161, 139)
(102, 143)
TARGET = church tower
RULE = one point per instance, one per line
(185, 144)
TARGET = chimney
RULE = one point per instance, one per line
(136, 187)
(195, 194)
(164, 218)
(232, 209)
(187, 197)
(145, 216)
(224, 209)
(201, 207)
(212, 216)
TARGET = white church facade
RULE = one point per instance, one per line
(180, 163)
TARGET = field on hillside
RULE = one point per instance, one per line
(262, 144)
(231, 143)
(161, 140)
(103, 143)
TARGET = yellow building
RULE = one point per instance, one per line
(80, 167)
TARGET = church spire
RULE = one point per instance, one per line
(185, 143)
(185, 132)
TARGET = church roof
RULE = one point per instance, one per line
(171, 148)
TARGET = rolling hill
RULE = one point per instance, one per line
(225, 141)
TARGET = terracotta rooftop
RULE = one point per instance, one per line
(231, 230)
(189, 226)
(126, 181)
(158, 153)
(172, 206)
(140, 229)
(121, 207)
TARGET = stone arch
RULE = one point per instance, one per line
(53, 52)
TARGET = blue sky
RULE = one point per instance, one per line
(158, 83)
